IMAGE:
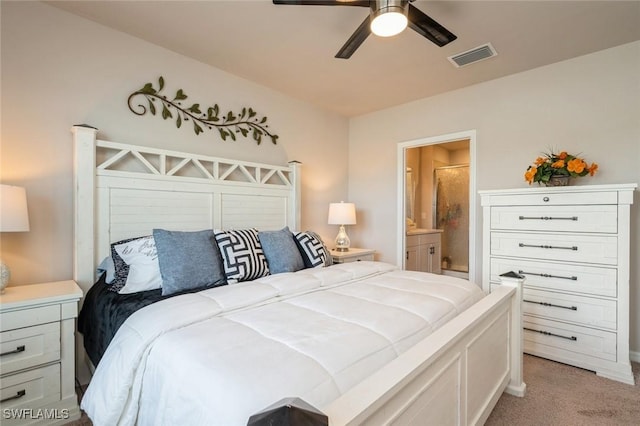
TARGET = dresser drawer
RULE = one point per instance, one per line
(31, 389)
(28, 347)
(562, 247)
(600, 218)
(552, 197)
(28, 317)
(590, 280)
(582, 310)
(567, 340)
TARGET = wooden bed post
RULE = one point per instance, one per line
(297, 201)
(516, 386)
(84, 171)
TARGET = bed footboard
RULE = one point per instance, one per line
(453, 377)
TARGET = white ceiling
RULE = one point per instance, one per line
(291, 48)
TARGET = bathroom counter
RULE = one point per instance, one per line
(420, 231)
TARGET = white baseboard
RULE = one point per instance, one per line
(634, 356)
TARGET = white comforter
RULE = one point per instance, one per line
(223, 354)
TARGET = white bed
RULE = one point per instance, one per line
(403, 372)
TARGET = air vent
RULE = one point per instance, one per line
(474, 55)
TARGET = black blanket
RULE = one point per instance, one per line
(104, 311)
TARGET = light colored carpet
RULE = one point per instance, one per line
(557, 395)
(562, 395)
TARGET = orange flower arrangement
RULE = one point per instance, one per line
(561, 164)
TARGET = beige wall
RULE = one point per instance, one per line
(588, 105)
(59, 70)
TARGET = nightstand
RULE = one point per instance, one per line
(37, 353)
(353, 255)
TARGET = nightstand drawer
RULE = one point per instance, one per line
(545, 337)
(28, 317)
(33, 388)
(353, 255)
(587, 311)
(561, 247)
(601, 218)
(358, 258)
(29, 347)
(589, 280)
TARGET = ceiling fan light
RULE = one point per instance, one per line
(389, 21)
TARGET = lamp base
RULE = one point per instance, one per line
(342, 240)
(5, 275)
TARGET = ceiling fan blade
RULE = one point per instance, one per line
(429, 28)
(364, 3)
(356, 39)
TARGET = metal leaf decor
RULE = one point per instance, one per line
(228, 125)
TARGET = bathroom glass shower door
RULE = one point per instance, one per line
(452, 216)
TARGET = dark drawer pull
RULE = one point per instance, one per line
(18, 395)
(548, 333)
(575, 218)
(573, 278)
(574, 248)
(17, 350)
(571, 308)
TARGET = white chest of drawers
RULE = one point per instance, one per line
(37, 355)
(572, 245)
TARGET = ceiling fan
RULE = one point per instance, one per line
(386, 18)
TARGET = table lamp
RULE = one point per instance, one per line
(342, 214)
(13, 218)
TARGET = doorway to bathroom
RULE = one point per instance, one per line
(436, 204)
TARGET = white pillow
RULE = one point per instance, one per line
(144, 270)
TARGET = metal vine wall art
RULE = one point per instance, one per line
(228, 125)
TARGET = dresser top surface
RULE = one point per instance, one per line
(23, 296)
(560, 189)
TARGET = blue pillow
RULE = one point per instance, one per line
(281, 251)
(188, 260)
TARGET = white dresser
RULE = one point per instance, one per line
(37, 356)
(572, 245)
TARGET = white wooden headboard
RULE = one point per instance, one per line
(124, 191)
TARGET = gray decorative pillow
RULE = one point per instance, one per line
(314, 253)
(188, 260)
(242, 254)
(281, 251)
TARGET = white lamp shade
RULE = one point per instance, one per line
(13, 209)
(342, 214)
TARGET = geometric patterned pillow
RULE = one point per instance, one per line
(242, 255)
(314, 253)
